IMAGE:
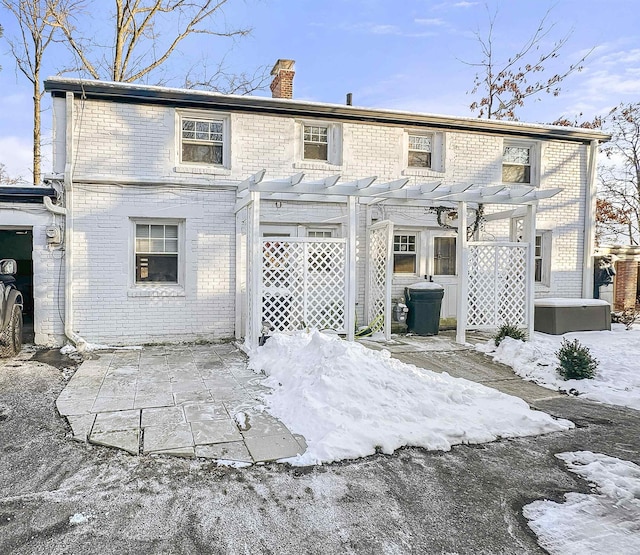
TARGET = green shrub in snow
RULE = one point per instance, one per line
(576, 362)
(508, 330)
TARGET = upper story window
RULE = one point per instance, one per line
(405, 253)
(316, 142)
(424, 152)
(420, 150)
(202, 141)
(520, 162)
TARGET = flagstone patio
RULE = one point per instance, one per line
(184, 400)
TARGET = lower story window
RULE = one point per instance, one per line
(539, 257)
(156, 253)
(405, 253)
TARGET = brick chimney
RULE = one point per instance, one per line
(282, 84)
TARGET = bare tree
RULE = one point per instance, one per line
(34, 19)
(503, 85)
(620, 176)
(139, 46)
(6, 179)
(223, 80)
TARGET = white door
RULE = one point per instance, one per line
(441, 264)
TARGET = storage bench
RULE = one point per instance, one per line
(558, 316)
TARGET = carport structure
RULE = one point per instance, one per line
(289, 283)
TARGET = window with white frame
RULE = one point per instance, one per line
(424, 152)
(542, 251)
(320, 233)
(519, 163)
(405, 253)
(203, 140)
(420, 151)
(157, 255)
(316, 142)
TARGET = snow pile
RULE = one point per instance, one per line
(617, 379)
(78, 518)
(608, 522)
(349, 401)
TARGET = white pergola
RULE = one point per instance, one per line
(253, 295)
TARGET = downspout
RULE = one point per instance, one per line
(589, 222)
(67, 211)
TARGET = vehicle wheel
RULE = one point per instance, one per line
(11, 337)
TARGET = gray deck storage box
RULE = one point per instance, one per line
(558, 316)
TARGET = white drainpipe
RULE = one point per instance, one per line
(589, 222)
(67, 211)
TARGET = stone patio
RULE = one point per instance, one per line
(183, 400)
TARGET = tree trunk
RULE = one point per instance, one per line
(36, 128)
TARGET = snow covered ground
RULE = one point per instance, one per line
(617, 379)
(607, 521)
(349, 401)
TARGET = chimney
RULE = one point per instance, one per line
(282, 84)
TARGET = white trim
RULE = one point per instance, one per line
(202, 168)
(154, 289)
(334, 159)
(534, 160)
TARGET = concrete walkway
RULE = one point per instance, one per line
(203, 401)
(184, 400)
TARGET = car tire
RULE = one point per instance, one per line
(11, 337)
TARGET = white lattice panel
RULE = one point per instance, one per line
(377, 279)
(304, 283)
(497, 285)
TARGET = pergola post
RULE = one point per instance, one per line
(463, 278)
(350, 316)
(529, 236)
(254, 255)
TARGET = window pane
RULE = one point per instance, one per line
(516, 155)
(171, 245)
(202, 154)
(404, 263)
(538, 269)
(171, 231)
(142, 245)
(315, 151)
(188, 125)
(142, 230)
(157, 245)
(157, 268)
(516, 174)
(444, 256)
(157, 231)
(419, 159)
(418, 142)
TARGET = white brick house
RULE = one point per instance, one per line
(149, 179)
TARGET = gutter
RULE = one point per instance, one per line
(186, 98)
(589, 222)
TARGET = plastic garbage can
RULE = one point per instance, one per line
(424, 300)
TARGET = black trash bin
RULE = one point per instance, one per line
(424, 301)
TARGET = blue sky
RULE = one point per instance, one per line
(399, 54)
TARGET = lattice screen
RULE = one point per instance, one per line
(304, 283)
(378, 286)
(497, 285)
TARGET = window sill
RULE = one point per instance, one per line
(156, 291)
(202, 170)
(421, 172)
(318, 165)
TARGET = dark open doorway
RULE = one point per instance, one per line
(18, 244)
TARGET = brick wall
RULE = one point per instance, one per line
(127, 167)
(625, 284)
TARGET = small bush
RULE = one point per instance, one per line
(576, 362)
(507, 330)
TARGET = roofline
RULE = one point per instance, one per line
(185, 98)
(28, 194)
